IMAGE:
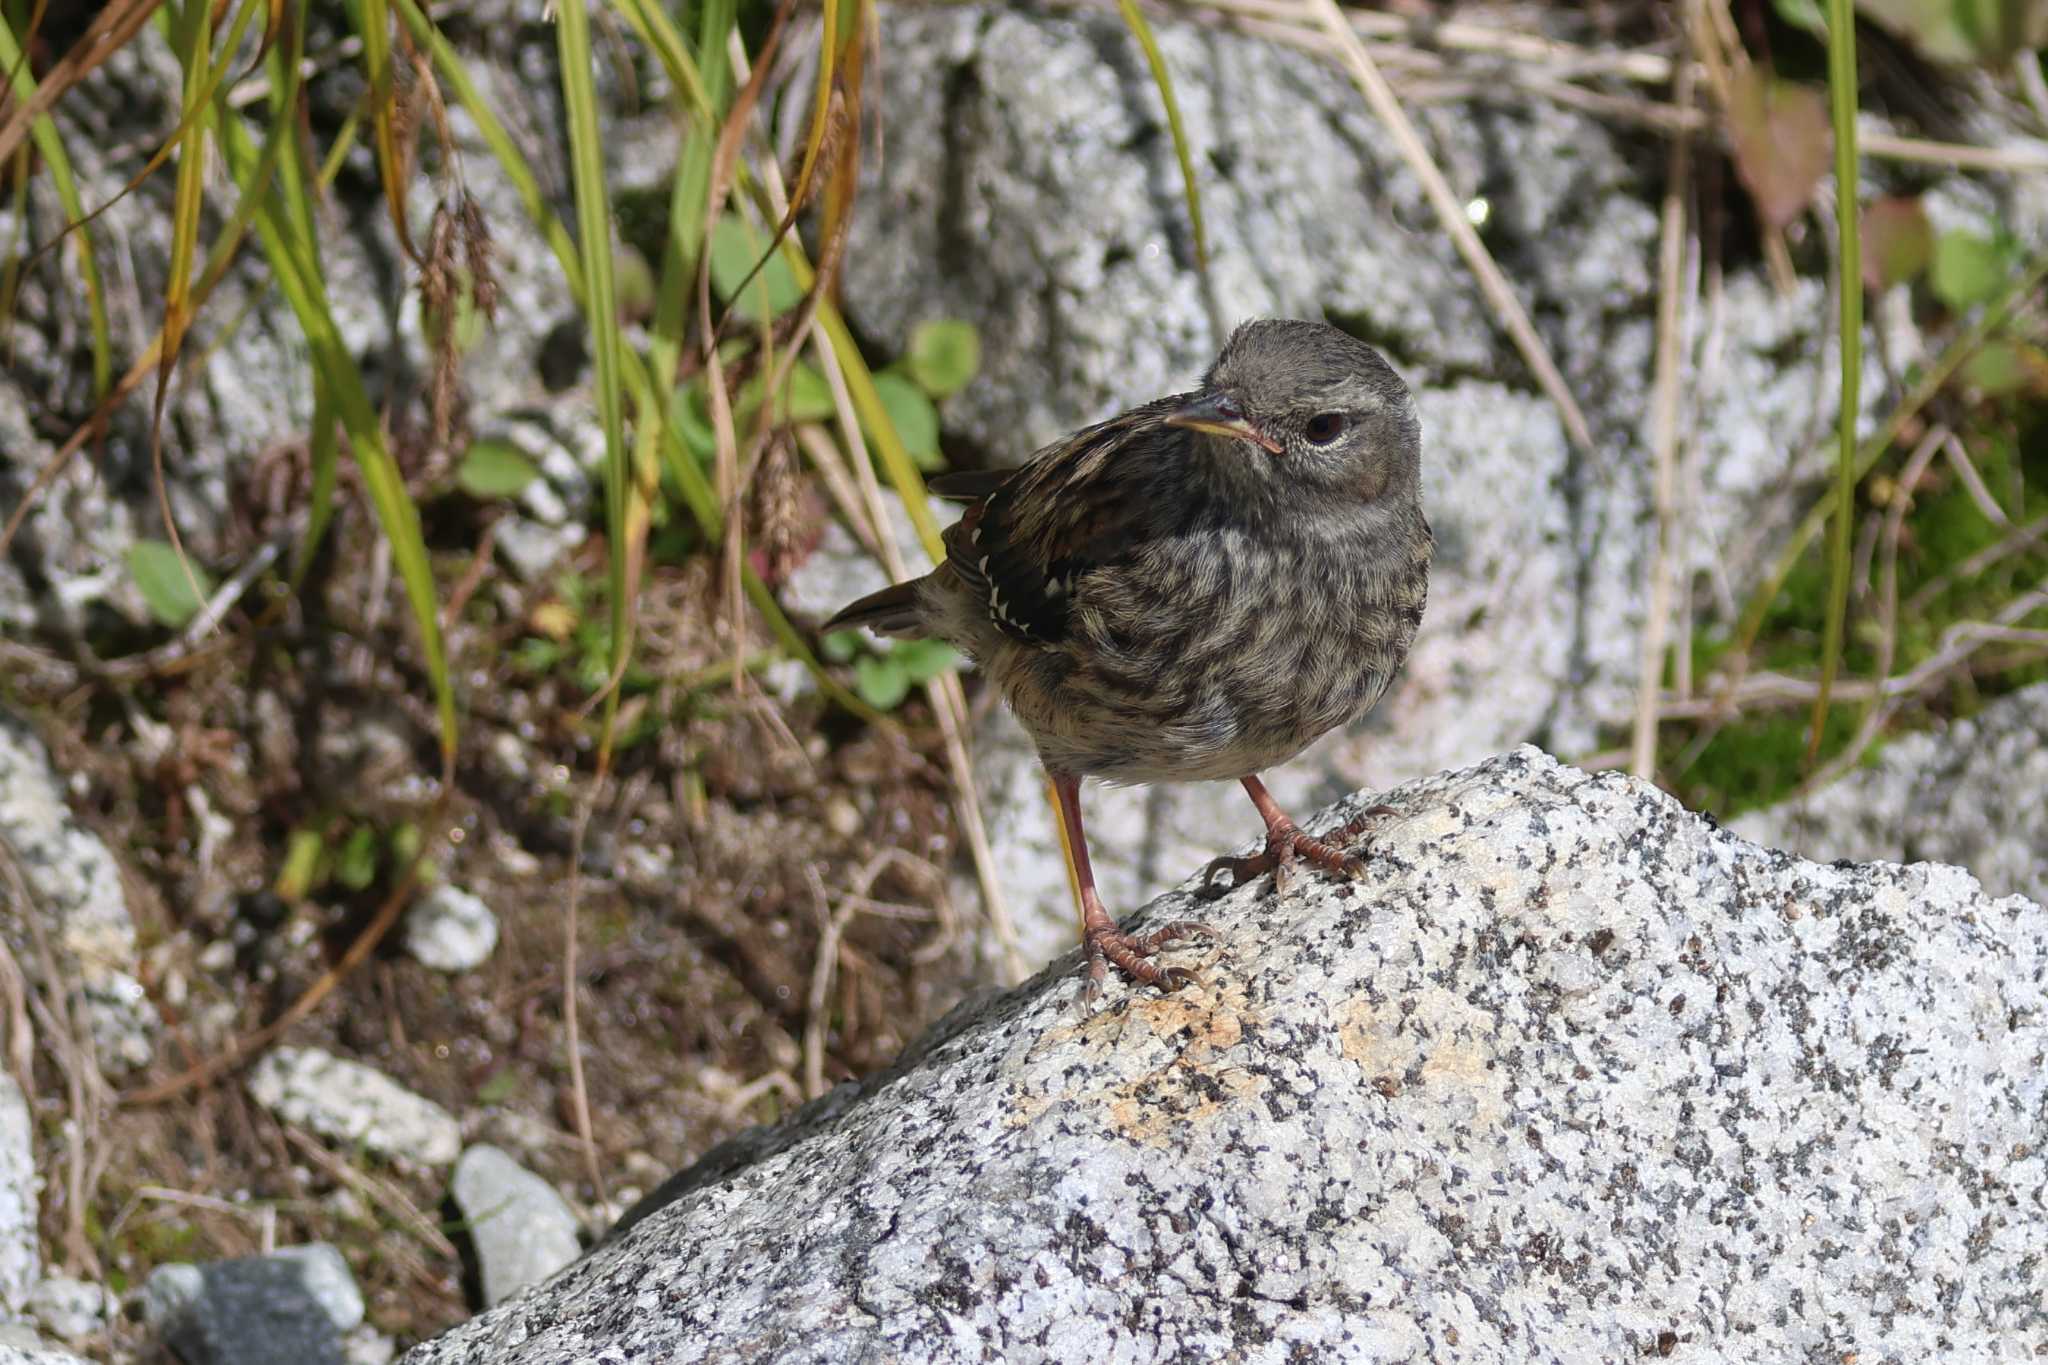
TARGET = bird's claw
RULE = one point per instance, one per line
(1285, 843)
(1129, 952)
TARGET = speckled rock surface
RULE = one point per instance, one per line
(1569, 1075)
(1969, 797)
(21, 1257)
(77, 889)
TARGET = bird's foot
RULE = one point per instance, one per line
(1285, 843)
(1103, 943)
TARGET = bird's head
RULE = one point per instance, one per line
(1295, 403)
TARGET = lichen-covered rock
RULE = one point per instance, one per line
(291, 1306)
(21, 1256)
(76, 887)
(1571, 1074)
(1969, 796)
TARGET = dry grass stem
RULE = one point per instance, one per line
(383, 1193)
(1450, 214)
(1671, 331)
(1966, 470)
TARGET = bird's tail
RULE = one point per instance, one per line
(892, 611)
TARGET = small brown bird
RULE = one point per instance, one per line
(1193, 590)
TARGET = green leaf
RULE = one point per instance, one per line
(735, 248)
(2006, 367)
(923, 660)
(1968, 269)
(1802, 14)
(1991, 32)
(500, 1086)
(840, 646)
(912, 414)
(355, 867)
(690, 414)
(806, 397)
(944, 355)
(534, 655)
(160, 576)
(495, 469)
(881, 681)
(303, 849)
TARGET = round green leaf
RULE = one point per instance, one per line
(881, 682)
(690, 411)
(355, 866)
(2004, 367)
(840, 646)
(944, 355)
(912, 414)
(806, 397)
(1968, 269)
(735, 249)
(924, 660)
(161, 578)
(495, 469)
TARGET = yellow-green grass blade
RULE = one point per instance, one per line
(600, 308)
(1849, 288)
(691, 190)
(373, 26)
(293, 266)
(651, 24)
(1141, 29)
(43, 131)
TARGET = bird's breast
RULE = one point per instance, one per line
(1222, 654)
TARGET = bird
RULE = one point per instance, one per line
(1193, 590)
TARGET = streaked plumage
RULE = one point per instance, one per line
(1197, 588)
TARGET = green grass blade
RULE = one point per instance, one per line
(600, 308)
(294, 267)
(654, 28)
(43, 130)
(1134, 19)
(1849, 287)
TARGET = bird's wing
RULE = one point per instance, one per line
(1023, 546)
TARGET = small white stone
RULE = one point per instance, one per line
(842, 818)
(352, 1103)
(522, 1229)
(451, 930)
(69, 1309)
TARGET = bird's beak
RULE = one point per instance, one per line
(1219, 415)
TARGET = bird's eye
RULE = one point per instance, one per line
(1325, 427)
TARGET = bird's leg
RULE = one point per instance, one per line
(1101, 940)
(1285, 842)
